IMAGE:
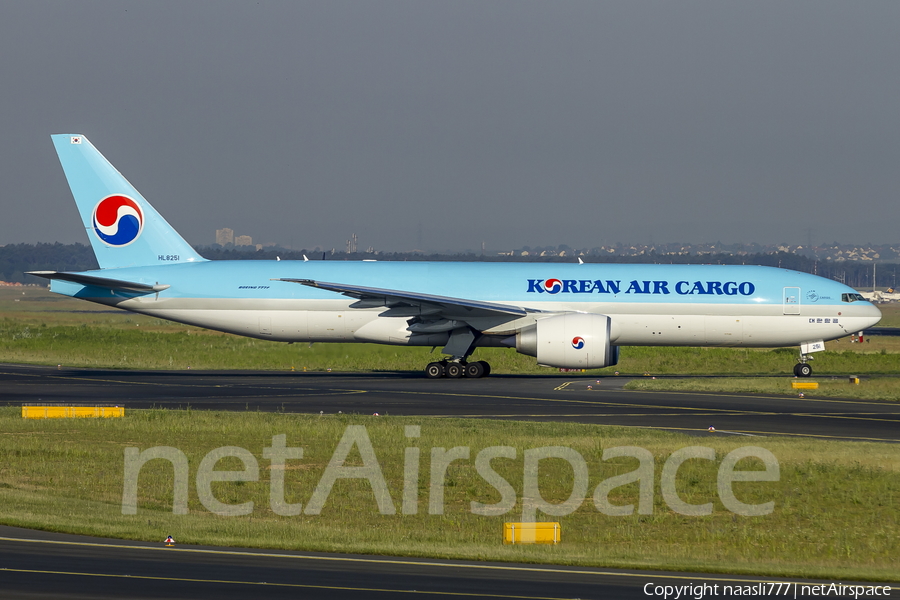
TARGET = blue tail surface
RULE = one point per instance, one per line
(124, 230)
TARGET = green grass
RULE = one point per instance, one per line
(836, 504)
(161, 345)
(890, 315)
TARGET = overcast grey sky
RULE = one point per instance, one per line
(508, 122)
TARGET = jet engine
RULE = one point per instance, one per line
(570, 341)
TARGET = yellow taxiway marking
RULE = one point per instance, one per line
(753, 396)
(308, 586)
(571, 401)
(692, 429)
(383, 561)
(568, 383)
(553, 415)
(840, 416)
(777, 433)
(693, 410)
(294, 391)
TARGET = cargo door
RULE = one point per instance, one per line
(792, 301)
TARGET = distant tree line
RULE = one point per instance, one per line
(16, 259)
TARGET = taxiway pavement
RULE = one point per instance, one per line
(599, 400)
(43, 566)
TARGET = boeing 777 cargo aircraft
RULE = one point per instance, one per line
(565, 315)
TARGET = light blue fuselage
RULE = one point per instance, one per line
(721, 305)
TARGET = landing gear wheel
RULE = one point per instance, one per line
(803, 370)
(434, 370)
(487, 368)
(475, 370)
(454, 370)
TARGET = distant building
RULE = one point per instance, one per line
(243, 240)
(224, 236)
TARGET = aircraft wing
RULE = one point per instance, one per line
(400, 302)
(102, 282)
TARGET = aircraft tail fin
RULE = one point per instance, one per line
(124, 229)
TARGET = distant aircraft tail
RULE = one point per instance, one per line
(125, 231)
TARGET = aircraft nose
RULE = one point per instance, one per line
(871, 313)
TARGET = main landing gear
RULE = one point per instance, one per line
(457, 369)
(459, 347)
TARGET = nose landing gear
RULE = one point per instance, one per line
(803, 368)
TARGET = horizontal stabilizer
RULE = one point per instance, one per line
(102, 282)
(393, 298)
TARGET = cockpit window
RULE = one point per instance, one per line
(852, 298)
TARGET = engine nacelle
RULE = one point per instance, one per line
(570, 341)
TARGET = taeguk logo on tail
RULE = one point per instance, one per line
(578, 343)
(118, 220)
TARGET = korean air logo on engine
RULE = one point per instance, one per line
(578, 343)
(118, 220)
